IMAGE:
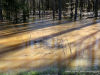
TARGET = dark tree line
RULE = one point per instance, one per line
(11, 8)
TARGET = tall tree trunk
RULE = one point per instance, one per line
(42, 8)
(27, 9)
(96, 8)
(8, 11)
(24, 12)
(53, 9)
(56, 6)
(33, 7)
(59, 9)
(16, 18)
(88, 8)
(39, 9)
(84, 4)
(47, 4)
(81, 8)
(93, 5)
(1, 18)
(76, 5)
(71, 9)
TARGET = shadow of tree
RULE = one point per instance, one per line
(59, 60)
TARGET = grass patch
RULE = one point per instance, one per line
(56, 73)
(30, 73)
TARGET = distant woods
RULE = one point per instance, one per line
(15, 10)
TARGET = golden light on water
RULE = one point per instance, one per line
(32, 46)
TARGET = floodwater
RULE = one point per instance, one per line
(43, 45)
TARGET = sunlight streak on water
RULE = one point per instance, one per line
(51, 44)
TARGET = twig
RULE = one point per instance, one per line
(76, 52)
(83, 51)
(38, 53)
(66, 46)
(46, 44)
(69, 45)
(62, 45)
(46, 54)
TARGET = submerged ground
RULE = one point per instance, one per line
(45, 44)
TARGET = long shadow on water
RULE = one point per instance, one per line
(18, 47)
(29, 27)
(59, 61)
(46, 25)
(13, 48)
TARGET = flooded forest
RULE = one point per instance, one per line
(41, 37)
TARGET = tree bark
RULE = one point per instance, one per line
(96, 8)
(39, 9)
(71, 9)
(59, 9)
(1, 18)
(56, 6)
(81, 8)
(53, 9)
(33, 7)
(76, 5)
(24, 12)
(42, 8)
(88, 8)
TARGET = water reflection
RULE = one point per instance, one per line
(51, 44)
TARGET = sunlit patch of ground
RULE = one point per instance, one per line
(35, 45)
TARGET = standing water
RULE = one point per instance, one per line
(44, 45)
